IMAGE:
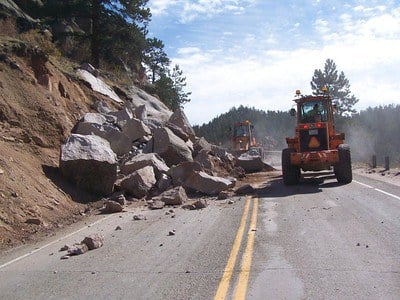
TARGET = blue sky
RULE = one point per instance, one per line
(258, 52)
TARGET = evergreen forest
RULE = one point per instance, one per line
(373, 131)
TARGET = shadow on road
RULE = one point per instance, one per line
(310, 183)
(77, 195)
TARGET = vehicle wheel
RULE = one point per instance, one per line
(343, 168)
(290, 173)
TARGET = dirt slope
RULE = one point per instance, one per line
(39, 105)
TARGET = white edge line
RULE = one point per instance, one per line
(378, 190)
(51, 243)
(363, 184)
(386, 193)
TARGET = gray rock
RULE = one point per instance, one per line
(180, 173)
(139, 217)
(143, 160)
(98, 85)
(141, 113)
(89, 162)
(97, 124)
(207, 184)
(93, 241)
(78, 250)
(223, 195)
(204, 159)
(122, 115)
(140, 182)
(163, 183)
(170, 147)
(177, 131)
(199, 204)
(175, 196)
(156, 111)
(244, 190)
(201, 144)
(112, 207)
(179, 118)
(157, 204)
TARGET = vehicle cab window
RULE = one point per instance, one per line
(313, 112)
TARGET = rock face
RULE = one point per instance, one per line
(140, 182)
(207, 184)
(170, 147)
(89, 162)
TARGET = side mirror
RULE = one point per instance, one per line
(292, 112)
(334, 108)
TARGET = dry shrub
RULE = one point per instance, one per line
(7, 27)
(38, 39)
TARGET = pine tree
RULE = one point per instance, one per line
(156, 58)
(338, 87)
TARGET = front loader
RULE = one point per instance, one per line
(316, 146)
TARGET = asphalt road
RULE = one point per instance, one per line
(315, 240)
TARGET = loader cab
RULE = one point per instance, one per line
(313, 112)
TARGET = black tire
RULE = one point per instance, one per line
(290, 173)
(342, 169)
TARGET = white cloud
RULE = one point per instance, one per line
(259, 71)
(190, 10)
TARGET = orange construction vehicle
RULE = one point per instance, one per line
(243, 138)
(316, 146)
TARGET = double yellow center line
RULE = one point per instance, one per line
(241, 286)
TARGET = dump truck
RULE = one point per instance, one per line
(316, 145)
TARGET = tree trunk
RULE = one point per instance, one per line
(95, 34)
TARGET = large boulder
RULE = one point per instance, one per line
(201, 144)
(183, 171)
(143, 160)
(89, 162)
(204, 159)
(140, 182)
(207, 184)
(98, 85)
(177, 131)
(96, 124)
(179, 118)
(122, 115)
(134, 129)
(156, 111)
(120, 134)
(175, 196)
(170, 147)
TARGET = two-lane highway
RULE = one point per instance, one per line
(315, 240)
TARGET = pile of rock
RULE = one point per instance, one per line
(128, 153)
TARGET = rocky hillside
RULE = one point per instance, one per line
(68, 138)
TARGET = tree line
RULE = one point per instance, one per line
(369, 132)
(372, 131)
(111, 32)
